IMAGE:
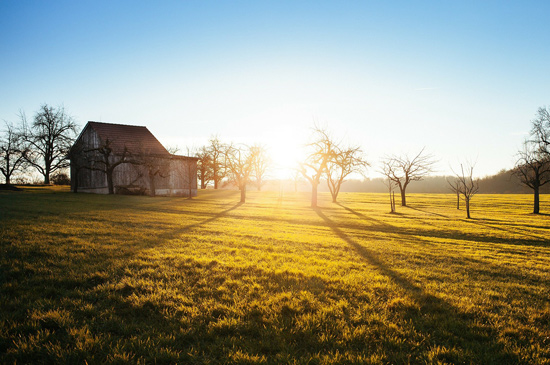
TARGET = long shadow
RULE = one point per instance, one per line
(367, 218)
(384, 227)
(482, 267)
(452, 328)
(517, 224)
(427, 212)
(223, 213)
(479, 223)
(437, 234)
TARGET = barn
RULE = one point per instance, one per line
(111, 158)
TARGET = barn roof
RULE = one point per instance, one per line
(134, 138)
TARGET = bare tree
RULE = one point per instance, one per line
(402, 170)
(533, 169)
(191, 173)
(343, 163)
(103, 158)
(455, 187)
(217, 151)
(260, 165)
(391, 185)
(12, 153)
(204, 166)
(468, 185)
(239, 163)
(79, 160)
(156, 167)
(48, 139)
(314, 166)
(540, 131)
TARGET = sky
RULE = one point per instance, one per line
(462, 79)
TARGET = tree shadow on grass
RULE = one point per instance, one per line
(427, 212)
(213, 217)
(481, 222)
(365, 217)
(442, 323)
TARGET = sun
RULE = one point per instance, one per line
(285, 158)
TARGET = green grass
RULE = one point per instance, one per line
(117, 279)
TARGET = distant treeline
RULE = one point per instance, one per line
(503, 182)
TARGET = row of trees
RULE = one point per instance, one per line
(334, 162)
(42, 144)
(241, 165)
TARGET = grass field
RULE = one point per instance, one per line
(116, 279)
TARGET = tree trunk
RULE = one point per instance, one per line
(74, 179)
(7, 175)
(152, 186)
(47, 171)
(190, 185)
(215, 178)
(110, 184)
(403, 198)
(457, 200)
(333, 193)
(314, 195)
(536, 203)
(243, 194)
(468, 208)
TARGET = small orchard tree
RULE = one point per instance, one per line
(260, 165)
(204, 166)
(48, 139)
(103, 158)
(12, 152)
(190, 172)
(391, 185)
(533, 170)
(468, 185)
(239, 164)
(344, 161)
(540, 131)
(402, 170)
(217, 151)
(455, 185)
(321, 150)
(155, 166)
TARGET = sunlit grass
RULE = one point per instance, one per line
(166, 280)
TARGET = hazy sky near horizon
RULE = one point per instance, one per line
(463, 78)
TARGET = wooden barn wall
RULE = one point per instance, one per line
(88, 180)
(175, 180)
(183, 175)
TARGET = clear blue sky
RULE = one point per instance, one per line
(463, 78)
